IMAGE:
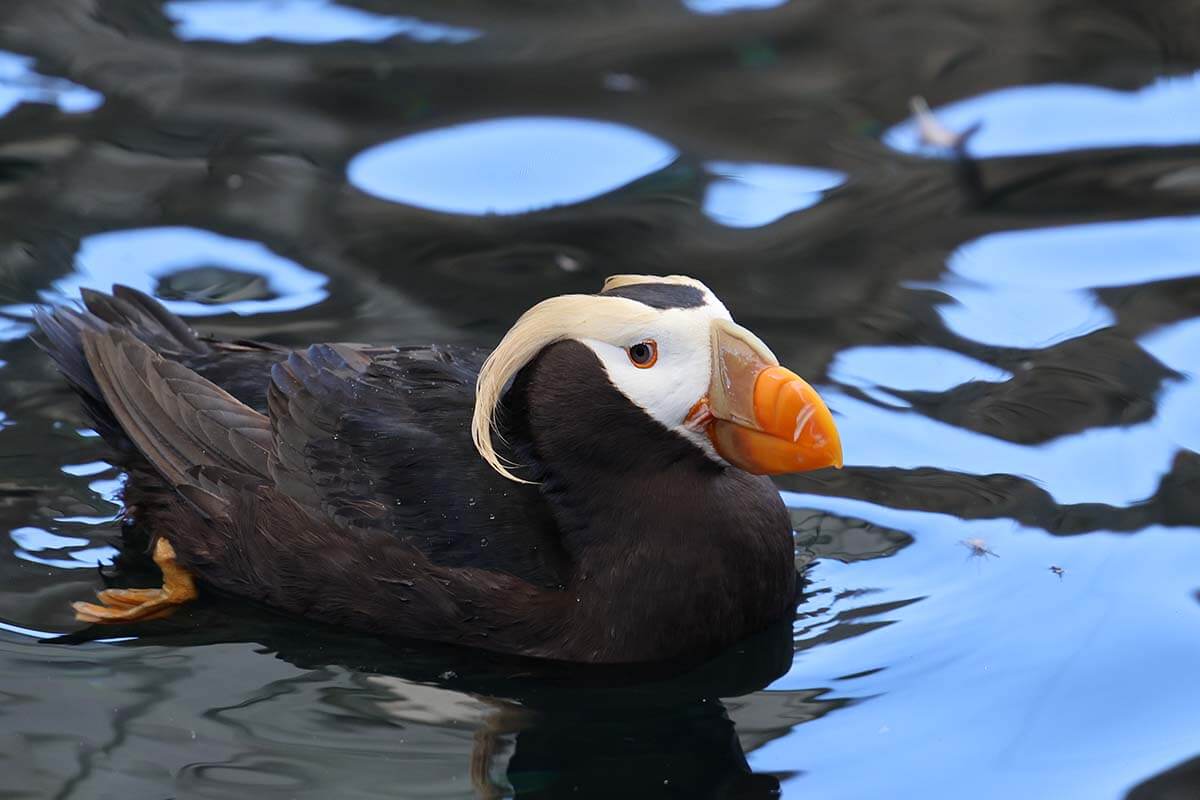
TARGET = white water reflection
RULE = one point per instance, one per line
(140, 257)
(31, 542)
(88, 468)
(986, 633)
(88, 558)
(109, 489)
(1034, 288)
(1057, 117)
(748, 195)
(509, 166)
(301, 22)
(19, 83)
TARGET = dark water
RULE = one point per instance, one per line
(1004, 587)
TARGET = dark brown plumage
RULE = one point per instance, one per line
(340, 483)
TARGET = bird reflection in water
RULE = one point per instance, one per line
(541, 729)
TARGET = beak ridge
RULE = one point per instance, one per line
(768, 420)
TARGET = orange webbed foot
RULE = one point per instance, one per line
(136, 605)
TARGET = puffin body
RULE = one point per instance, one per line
(585, 492)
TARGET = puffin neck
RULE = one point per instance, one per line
(644, 513)
(604, 465)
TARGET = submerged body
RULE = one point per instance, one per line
(343, 483)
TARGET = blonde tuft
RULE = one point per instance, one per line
(572, 316)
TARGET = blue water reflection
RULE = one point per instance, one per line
(87, 558)
(1033, 288)
(301, 22)
(1031, 673)
(728, 6)
(1178, 346)
(19, 83)
(11, 329)
(509, 166)
(37, 539)
(875, 369)
(38, 545)
(747, 195)
(905, 439)
(139, 258)
(109, 489)
(1018, 317)
(89, 468)
(1083, 256)
(33, 542)
(1051, 118)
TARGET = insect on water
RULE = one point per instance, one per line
(978, 548)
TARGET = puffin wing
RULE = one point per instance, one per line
(252, 519)
(369, 437)
(381, 440)
(177, 419)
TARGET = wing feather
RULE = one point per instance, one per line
(177, 419)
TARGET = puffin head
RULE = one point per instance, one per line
(672, 349)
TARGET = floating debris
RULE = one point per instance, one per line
(931, 132)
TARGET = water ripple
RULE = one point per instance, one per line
(1034, 288)
(20, 83)
(142, 257)
(730, 6)
(996, 629)
(748, 195)
(915, 368)
(301, 22)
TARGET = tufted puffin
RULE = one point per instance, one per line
(593, 490)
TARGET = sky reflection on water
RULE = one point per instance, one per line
(19, 83)
(140, 258)
(509, 166)
(747, 195)
(1033, 288)
(1053, 695)
(301, 22)
(525, 164)
(905, 439)
(1178, 346)
(1027, 120)
(730, 6)
(912, 368)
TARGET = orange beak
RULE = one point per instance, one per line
(760, 416)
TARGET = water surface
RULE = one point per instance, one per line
(1003, 586)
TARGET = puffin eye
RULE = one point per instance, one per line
(644, 354)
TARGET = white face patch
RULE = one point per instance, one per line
(669, 389)
(676, 312)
